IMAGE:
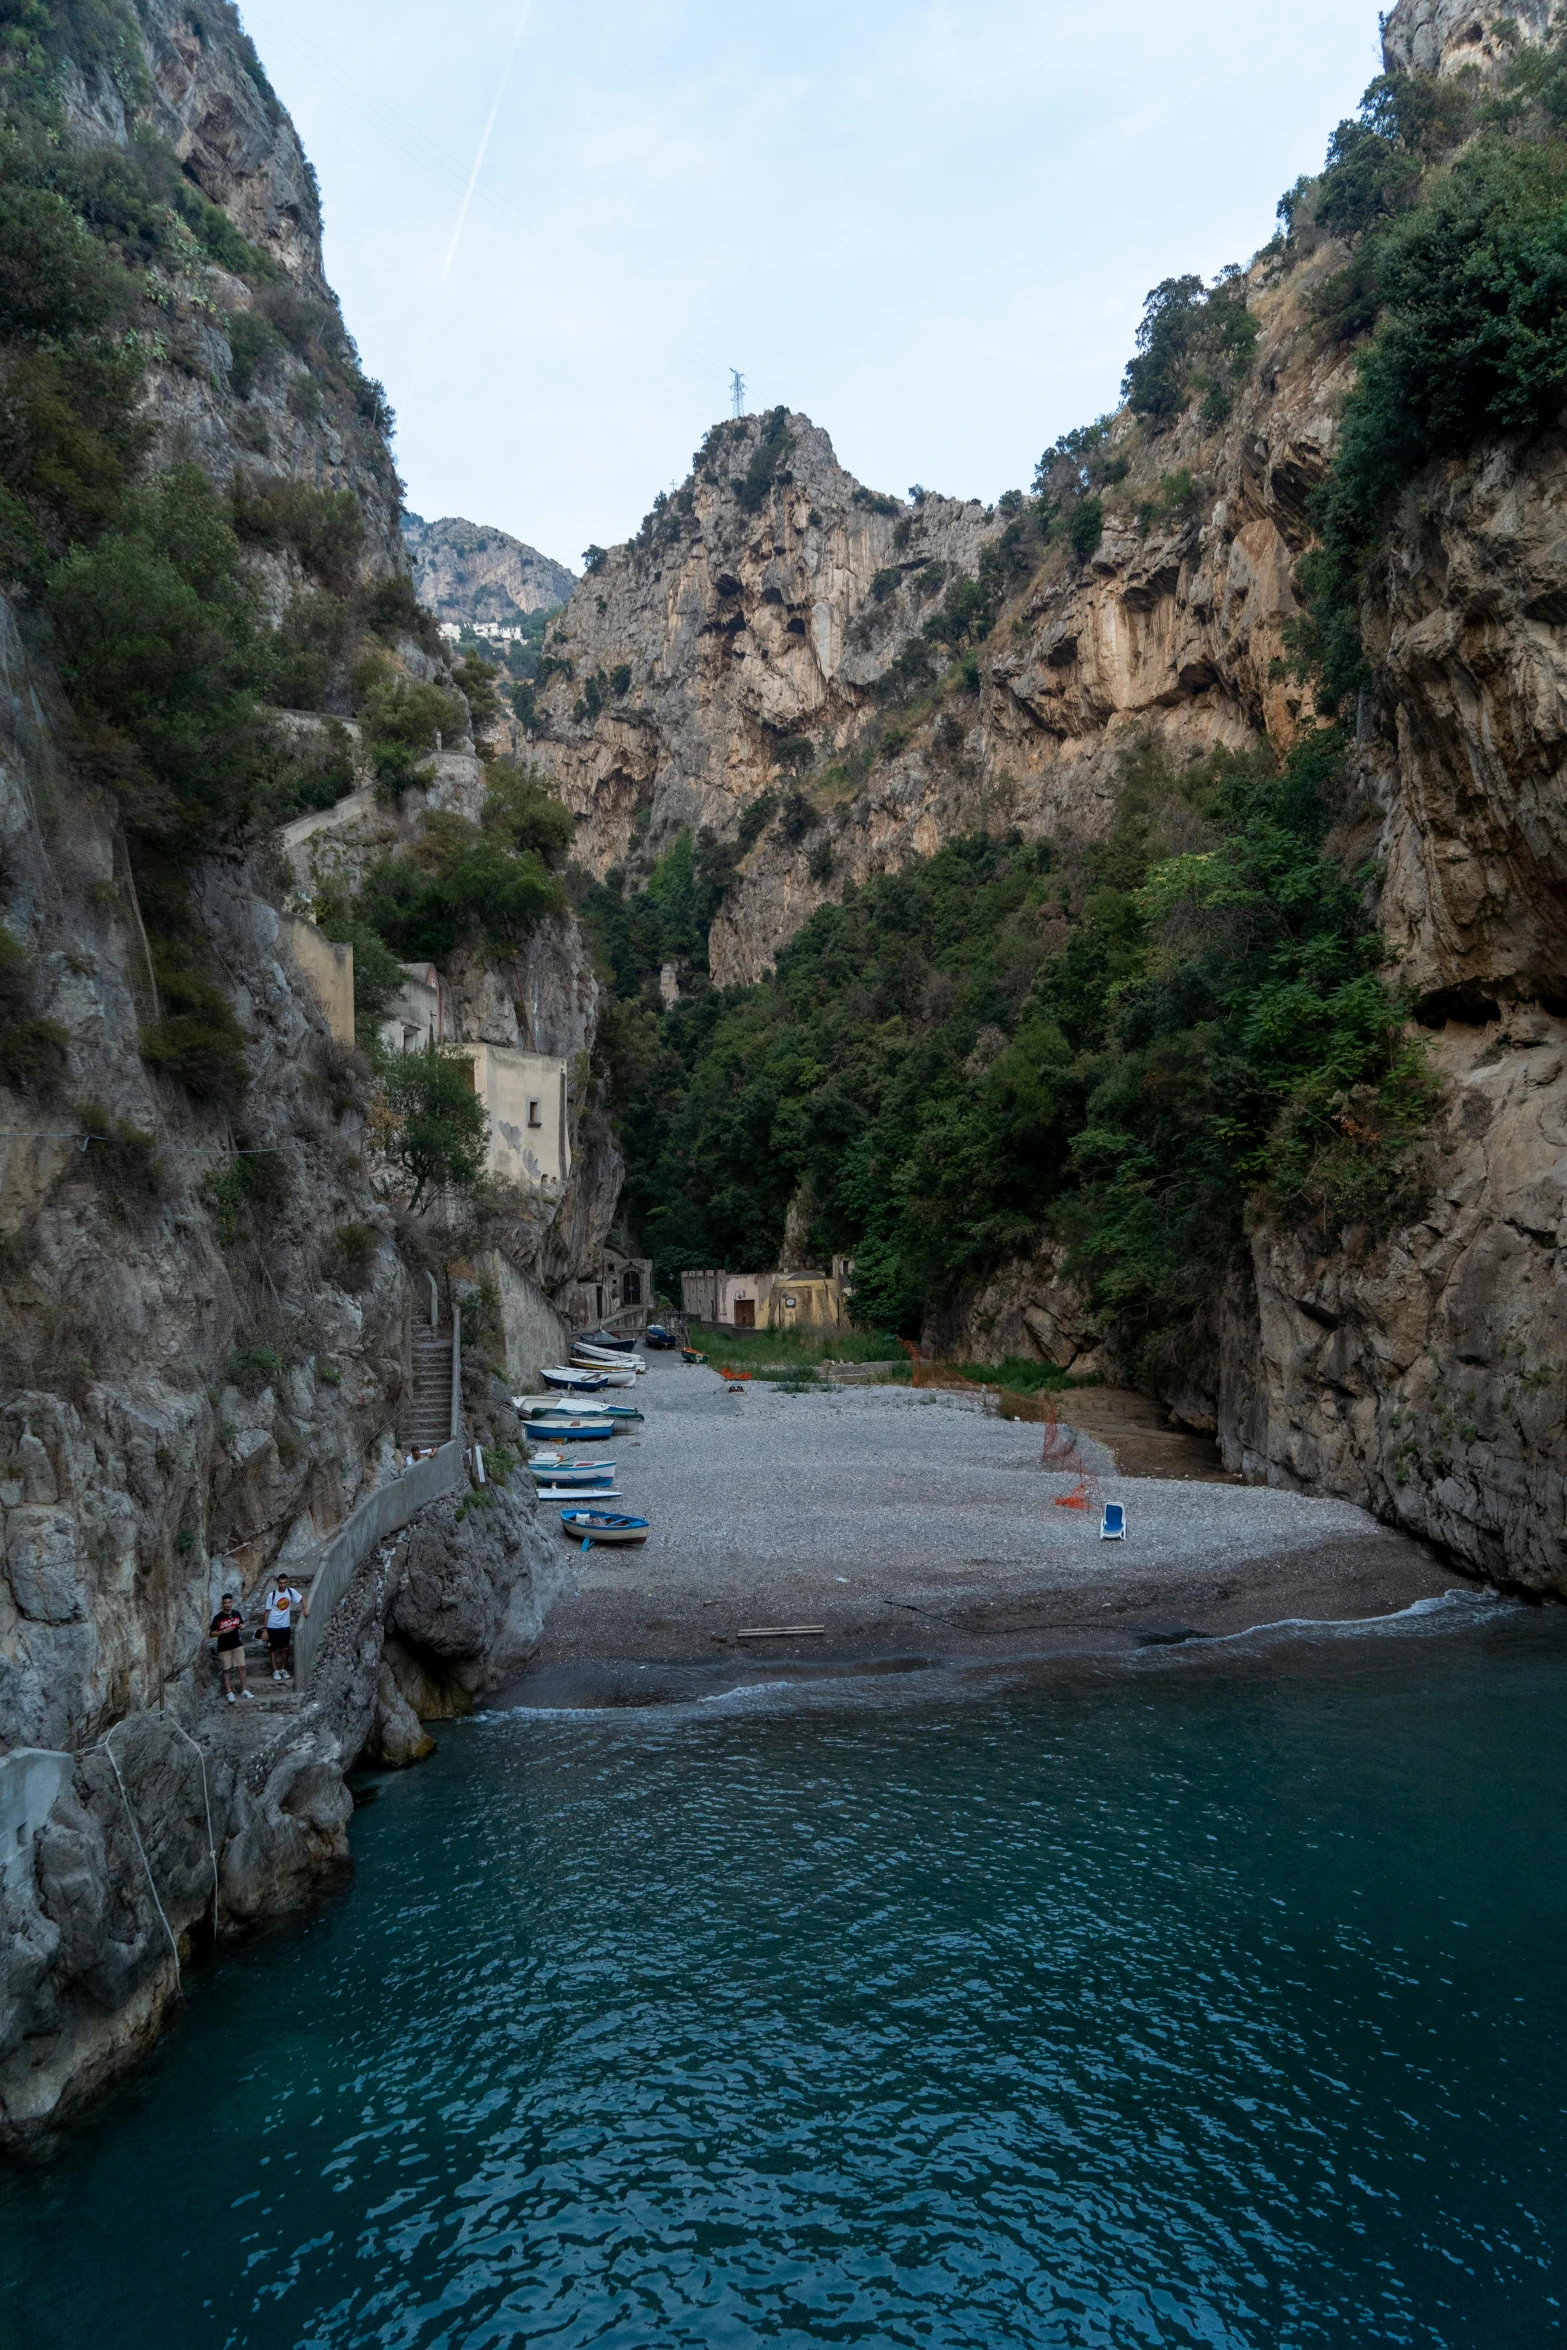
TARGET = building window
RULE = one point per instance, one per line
(535, 1112)
(631, 1289)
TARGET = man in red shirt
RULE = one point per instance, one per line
(228, 1627)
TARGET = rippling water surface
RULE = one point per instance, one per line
(1180, 2007)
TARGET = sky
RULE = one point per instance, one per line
(930, 226)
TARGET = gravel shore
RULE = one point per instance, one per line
(917, 1528)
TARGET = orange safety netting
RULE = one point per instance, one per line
(1059, 1450)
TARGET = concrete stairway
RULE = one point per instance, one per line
(426, 1416)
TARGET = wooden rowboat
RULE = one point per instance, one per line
(568, 1431)
(588, 1526)
(572, 1379)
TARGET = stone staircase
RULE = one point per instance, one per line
(426, 1416)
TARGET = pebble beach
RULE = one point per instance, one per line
(913, 1528)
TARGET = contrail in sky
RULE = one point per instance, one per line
(473, 181)
(484, 143)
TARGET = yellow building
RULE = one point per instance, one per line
(527, 1099)
(811, 1301)
(329, 969)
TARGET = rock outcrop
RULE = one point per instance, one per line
(206, 1311)
(466, 572)
(741, 633)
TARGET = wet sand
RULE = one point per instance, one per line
(917, 1530)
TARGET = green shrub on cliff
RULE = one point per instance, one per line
(1461, 269)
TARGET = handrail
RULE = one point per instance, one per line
(456, 1423)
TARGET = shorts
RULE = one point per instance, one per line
(279, 1637)
(230, 1659)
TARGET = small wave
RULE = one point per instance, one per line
(746, 1689)
(1445, 1603)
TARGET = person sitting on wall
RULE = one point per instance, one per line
(282, 1600)
(228, 1626)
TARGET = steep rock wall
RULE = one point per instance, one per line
(466, 572)
(198, 1384)
(1421, 1378)
(727, 631)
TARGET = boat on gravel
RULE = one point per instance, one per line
(550, 1470)
(581, 1431)
(569, 1493)
(609, 1338)
(607, 1375)
(602, 1526)
(573, 1380)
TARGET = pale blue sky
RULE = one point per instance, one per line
(929, 226)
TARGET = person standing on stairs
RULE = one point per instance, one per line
(282, 1600)
(228, 1628)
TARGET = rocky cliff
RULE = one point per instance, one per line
(209, 1289)
(466, 572)
(756, 640)
(736, 641)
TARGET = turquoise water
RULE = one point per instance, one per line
(1182, 2006)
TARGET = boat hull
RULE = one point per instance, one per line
(608, 1526)
(568, 1431)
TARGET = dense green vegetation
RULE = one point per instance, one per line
(1455, 206)
(993, 1045)
(488, 883)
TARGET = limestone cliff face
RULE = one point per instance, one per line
(209, 97)
(201, 1375)
(1454, 36)
(746, 625)
(466, 572)
(1422, 1379)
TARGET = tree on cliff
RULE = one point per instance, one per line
(430, 1121)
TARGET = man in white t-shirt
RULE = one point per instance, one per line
(282, 1600)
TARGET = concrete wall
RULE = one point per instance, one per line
(416, 1016)
(805, 1301)
(525, 1094)
(329, 969)
(535, 1333)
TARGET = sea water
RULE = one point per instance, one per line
(1207, 2001)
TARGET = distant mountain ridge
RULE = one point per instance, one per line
(470, 572)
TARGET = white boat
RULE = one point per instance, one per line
(599, 1358)
(588, 1526)
(582, 1430)
(605, 1377)
(578, 1493)
(556, 1472)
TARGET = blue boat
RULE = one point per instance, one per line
(619, 1346)
(553, 1431)
(590, 1526)
(575, 1382)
